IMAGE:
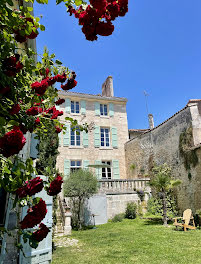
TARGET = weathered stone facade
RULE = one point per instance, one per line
(162, 145)
(89, 152)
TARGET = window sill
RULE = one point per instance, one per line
(106, 148)
(104, 116)
(76, 147)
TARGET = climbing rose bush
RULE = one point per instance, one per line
(28, 98)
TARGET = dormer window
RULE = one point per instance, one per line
(103, 110)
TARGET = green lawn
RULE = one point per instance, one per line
(132, 241)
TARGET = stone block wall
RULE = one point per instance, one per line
(161, 145)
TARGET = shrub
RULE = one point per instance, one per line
(131, 210)
(118, 218)
(154, 206)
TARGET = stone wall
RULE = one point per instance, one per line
(161, 145)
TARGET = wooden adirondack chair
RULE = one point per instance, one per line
(187, 221)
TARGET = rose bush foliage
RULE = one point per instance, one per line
(28, 100)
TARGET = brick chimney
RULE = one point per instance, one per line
(151, 121)
(107, 87)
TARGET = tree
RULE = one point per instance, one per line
(162, 183)
(80, 185)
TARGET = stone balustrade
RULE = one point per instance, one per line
(123, 185)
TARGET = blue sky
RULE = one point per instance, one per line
(156, 47)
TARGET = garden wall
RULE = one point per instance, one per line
(162, 145)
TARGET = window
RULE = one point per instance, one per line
(75, 136)
(106, 172)
(103, 110)
(75, 165)
(75, 107)
(105, 137)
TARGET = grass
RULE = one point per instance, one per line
(132, 241)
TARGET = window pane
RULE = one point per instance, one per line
(101, 109)
(72, 163)
(72, 107)
(77, 107)
(105, 109)
(78, 163)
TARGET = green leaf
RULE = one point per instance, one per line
(2, 121)
(58, 62)
(58, 1)
(78, 2)
(30, 9)
(42, 27)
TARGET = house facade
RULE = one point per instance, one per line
(106, 118)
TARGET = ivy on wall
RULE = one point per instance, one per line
(185, 148)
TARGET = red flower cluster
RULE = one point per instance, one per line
(55, 186)
(12, 142)
(41, 233)
(30, 188)
(34, 110)
(20, 35)
(58, 129)
(34, 215)
(15, 109)
(12, 65)
(40, 87)
(59, 101)
(71, 83)
(92, 18)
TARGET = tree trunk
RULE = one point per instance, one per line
(164, 209)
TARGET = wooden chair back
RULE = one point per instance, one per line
(187, 216)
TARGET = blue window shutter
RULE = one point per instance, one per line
(67, 105)
(83, 107)
(59, 136)
(66, 136)
(85, 164)
(111, 109)
(97, 108)
(85, 139)
(98, 170)
(66, 168)
(33, 149)
(97, 137)
(114, 137)
(115, 164)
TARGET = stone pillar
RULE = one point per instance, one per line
(67, 226)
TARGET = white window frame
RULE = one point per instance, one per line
(103, 110)
(75, 110)
(77, 137)
(107, 171)
(76, 166)
(105, 135)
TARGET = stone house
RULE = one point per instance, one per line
(176, 142)
(106, 117)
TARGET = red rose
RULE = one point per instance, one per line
(15, 109)
(37, 121)
(60, 78)
(58, 129)
(34, 110)
(104, 29)
(30, 188)
(12, 142)
(55, 186)
(41, 233)
(69, 85)
(40, 87)
(34, 215)
(12, 65)
(60, 101)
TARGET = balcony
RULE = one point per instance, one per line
(123, 186)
